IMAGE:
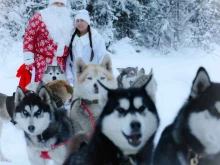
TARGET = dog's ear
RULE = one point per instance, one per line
(151, 86)
(120, 70)
(19, 95)
(200, 83)
(136, 68)
(59, 68)
(80, 66)
(107, 63)
(141, 72)
(44, 95)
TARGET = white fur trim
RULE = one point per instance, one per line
(84, 15)
(28, 58)
(54, 62)
(60, 50)
(61, 1)
(33, 73)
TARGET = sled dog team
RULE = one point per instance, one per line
(107, 125)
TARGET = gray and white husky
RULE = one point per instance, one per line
(132, 77)
(6, 115)
(51, 73)
(125, 131)
(88, 97)
(47, 130)
(194, 136)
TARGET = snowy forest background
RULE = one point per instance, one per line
(159, 24)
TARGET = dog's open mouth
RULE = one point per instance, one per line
(134, 139)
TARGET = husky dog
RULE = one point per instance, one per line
(88, 100)
(46, 130)
(53, 73)
(6, 115)
(194, 136)
(55, 81)
(125, 131)
(60, 91)
(130, 76)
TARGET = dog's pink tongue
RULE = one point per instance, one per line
(135, 137)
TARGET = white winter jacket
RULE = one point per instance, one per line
(81, 48)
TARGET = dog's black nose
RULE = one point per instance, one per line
(135, 126)
(31, 128)
(96, 88)
(54, 77)
(95, 85)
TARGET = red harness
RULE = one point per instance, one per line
(45, 155)
(92, 120)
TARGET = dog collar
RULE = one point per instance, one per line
(85, 101)
(89, 101)
(58, 101)
(194, 157)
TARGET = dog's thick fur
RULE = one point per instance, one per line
(55, 80)
(125, 132)
(7, 108)
(52, 73)
(88, 91)
(132, 77)
(194, 136)
(60, 91)
(43, 125)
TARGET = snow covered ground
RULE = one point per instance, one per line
(173, 72)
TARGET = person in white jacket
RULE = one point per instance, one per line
(86, 43)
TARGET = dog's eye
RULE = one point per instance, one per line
(131, 74)
(89, 78)
(50, 73)
(142, 108)
(38, 112)
(58, 73)
(102, 78)
(25, 112)
(121, 110)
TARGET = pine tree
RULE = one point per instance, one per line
(102, 16)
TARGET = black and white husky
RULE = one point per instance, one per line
(194, 136)
(125, 131)
(46, 130)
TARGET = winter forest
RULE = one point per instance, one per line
(156, 24)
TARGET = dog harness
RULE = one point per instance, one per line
(84, 103)
(44, 154)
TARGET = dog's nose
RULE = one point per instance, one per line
(95, 86)
(135, 126)
(54, 77)
(31, 128)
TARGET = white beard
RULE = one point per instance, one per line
(60, 26)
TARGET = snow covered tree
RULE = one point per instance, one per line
(204, 23)
(102, 16)
(128, 13)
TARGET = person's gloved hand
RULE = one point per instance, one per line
(28, 58)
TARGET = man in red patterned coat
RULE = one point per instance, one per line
(47, 37)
